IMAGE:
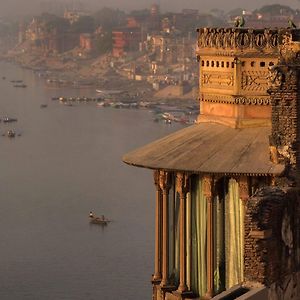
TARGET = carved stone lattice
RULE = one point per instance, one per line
(220, 80)
(254, 80)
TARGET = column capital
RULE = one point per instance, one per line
(207, 186)
(182, 182)
(165, 180)
(156, 175)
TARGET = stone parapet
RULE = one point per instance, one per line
(240, 39)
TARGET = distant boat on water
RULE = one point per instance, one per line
(11, 133)
(20, 85)
(98, 220)
(109, 92)
(9, 120)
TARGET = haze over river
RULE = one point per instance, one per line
(67, 162)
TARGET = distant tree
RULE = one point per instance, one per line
(191, 23)
(85, 24)
(53, 22)
(218, 13)
(141, 13)
(275, 9)
(235, 12)
(210, 21)
(104, 43)
(109, 18)
(9, 29)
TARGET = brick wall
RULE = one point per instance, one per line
(285, 115)
(272, 241)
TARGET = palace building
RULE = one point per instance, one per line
(227, 188)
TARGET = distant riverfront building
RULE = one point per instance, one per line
(227, 188)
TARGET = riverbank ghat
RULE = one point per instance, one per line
(227, 188)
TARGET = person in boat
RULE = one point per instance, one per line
(91, 215)
(102, 218)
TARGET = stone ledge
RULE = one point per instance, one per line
(261, 234)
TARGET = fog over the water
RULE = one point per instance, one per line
(20, 7)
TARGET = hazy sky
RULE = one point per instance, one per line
(9, 7)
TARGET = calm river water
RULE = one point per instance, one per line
(67, 162)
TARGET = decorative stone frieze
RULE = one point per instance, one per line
(239, 38)
(235, 100)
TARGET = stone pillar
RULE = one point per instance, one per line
(189, 238)
(208, 184)
(182, 185)
(243, 182)
(158, 229)
(165, 185)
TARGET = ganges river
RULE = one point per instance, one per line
(63, 162)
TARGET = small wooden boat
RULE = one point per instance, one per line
(11, 133)
(9, 120)
(20, 85)
(98, 220)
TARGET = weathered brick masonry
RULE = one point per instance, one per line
(272, 220)
(272, 235)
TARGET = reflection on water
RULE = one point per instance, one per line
(67, 162)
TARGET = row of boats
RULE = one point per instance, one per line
(76, 99)
(185, 116)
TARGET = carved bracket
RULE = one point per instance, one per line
(182, 183)
(207, 187)
(165, 180)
